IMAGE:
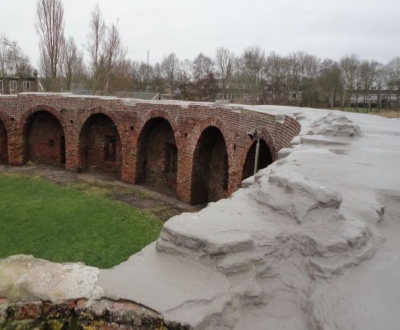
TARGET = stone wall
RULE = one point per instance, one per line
(140, 142)
(81, 314)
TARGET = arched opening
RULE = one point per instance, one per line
(100, 145)
(3, 144)
(264, 159)
(157, 155)
(210, 167)
(44, 139)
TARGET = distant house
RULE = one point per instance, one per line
(14, 85)
(376, 97)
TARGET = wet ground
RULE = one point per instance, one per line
(157, 201)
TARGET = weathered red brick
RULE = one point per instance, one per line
(58, 311)
(25, 311)
(32, 126)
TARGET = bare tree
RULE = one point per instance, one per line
(13, 61)
(148, 77)
(50, 28)
(329, 82)
(367, 74)
(293, 79)
(224, 60)
(202, 66)
(203, 78)
(157, 81)
(106, 51)
(4, 62)
(276, 76)
(253, 63)
(185, 72)
(310, 66)
(380, 82)
(349, 69)
(251, 72)
(114, 54)
(170, 68)
(96, 38)
(393, 78)
(142, 73)
(72, 62)
(121, 77)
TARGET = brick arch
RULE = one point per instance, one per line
(6, 119)
(267, 138)
(157, 163)
(42, 107)
(152, 114)
(200, 189)
(101, 148)
(104, 111)
(270, 143)
(43, 141)
(201, 127)
(209, 122)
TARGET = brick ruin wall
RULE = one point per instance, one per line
(81, 314)
(200, 150)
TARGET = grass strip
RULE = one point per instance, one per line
(63, 224)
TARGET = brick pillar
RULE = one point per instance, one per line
(184, 177)
(235, 169)
(72, 157)
(129, 150)
(16, 147)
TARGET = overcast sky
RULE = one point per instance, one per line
(333, 28)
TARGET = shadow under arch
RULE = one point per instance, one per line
(157, 154)
(3, 138)
(100, 145)
(210, 175)
(264, 160)
(43, 136)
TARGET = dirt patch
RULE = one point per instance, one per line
(157, 201)
(388, 113)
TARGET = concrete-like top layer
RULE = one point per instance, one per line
(269, 109)
(312, 244)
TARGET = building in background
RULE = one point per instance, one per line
(15, 85)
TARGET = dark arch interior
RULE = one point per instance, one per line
(100, 145)
(3, 144)
(157, 156)
(264, 159)
(44, 139)
(210, 168)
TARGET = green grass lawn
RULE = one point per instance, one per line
(63, 224)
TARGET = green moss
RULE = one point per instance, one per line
(55, 324)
